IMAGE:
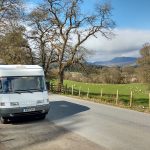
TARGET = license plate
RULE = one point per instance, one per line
(28, 109)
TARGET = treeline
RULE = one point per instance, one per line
(14, 46)
(115, 75)
(51, 33)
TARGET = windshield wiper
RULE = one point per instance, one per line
(19, 91)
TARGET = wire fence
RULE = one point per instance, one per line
(116, 98)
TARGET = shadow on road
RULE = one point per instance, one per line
(62, 109)
(58, 110)
(25, 120)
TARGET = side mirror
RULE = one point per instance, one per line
(47, 85)
(0, 85)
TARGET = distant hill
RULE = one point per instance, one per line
(117, 61)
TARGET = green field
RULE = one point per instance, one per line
(140, 91)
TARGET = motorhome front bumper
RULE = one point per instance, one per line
(24, 111)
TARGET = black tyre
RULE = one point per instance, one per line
(42, 117)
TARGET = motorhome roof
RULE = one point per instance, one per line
(20, 66)
(21, 70)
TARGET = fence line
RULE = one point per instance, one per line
(113, 98)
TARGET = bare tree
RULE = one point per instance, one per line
(144, 64)
(10, 10)
(40, 35)
(71, 29)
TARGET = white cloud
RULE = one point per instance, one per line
(127, 42)
(29, 6)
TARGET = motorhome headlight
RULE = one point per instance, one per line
(2, 103)
(14, 103)
(40, 101)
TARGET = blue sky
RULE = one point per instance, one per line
(132, 18)
(127, 13)
(132, 13)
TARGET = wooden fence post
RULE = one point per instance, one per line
(131, 98)
(51, 87)
(62, 89)
(66, 89)
(101, 94)
(72, 89)
(88, 93)
(117, 96)
(149, 101)
(80, 91)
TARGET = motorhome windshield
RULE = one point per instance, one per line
(22, 84)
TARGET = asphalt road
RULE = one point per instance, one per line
(74, 124)
(34, 134)
(110, 127)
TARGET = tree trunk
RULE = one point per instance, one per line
(60, 80)
(45, 73)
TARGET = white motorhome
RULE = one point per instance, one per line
(22, 92)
